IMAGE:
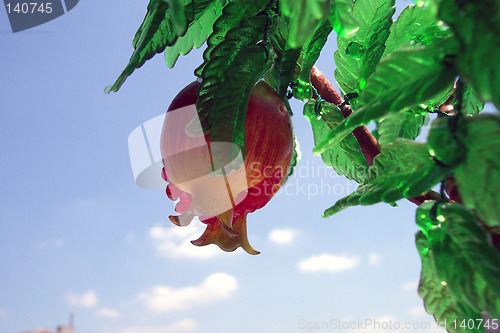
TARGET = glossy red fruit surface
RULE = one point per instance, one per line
(188, 158)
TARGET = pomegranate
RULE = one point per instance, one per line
(207, 177)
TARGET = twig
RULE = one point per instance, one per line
(369, 145)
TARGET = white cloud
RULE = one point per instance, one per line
(88, 299)
(417, 311)
(108, 313)
(185, 325)
(175, 242)
(412, 285)
(373, 258)
(2, 312)
(328, 262)
(164, 298)
(282, 236)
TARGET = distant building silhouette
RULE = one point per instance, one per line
(60, 328)
(65, 329)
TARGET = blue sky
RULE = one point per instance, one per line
(77, 235)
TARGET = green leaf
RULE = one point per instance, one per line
(465, 258)
(312, 48)
(471, 103)
(433, 4)
(178, 16)
(341, 17)
(157, 31)
(286, 65)
(477, 27)
(478, 176)
(197, 34)
(403, 169)
(403, 80)
(404, 124)
(232, 16)
(228, 77)
(438, 300)
(358, 54)
(416, 26)
(309, 54)
(287, 69)
(443, 142)
(292, 66)
(296, 155)
(304, 17)
(346, 157)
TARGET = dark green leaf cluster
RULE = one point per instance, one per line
(476, 25)
(471, 146)
(459, 252)
(438, 300)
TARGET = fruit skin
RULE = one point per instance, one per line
(269, 146)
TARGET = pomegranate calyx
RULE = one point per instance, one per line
(215, 234)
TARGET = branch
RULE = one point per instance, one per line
(369, 145)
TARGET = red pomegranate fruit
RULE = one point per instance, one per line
(222, 198)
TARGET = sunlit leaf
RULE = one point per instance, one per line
(304, 17)
(404, 124)
(403, 169)
(404, 79)
(438, 300)
(416, 26)
(346, 157)
(358, 54)
(341, 17)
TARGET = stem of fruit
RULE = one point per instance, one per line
(369, 145)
